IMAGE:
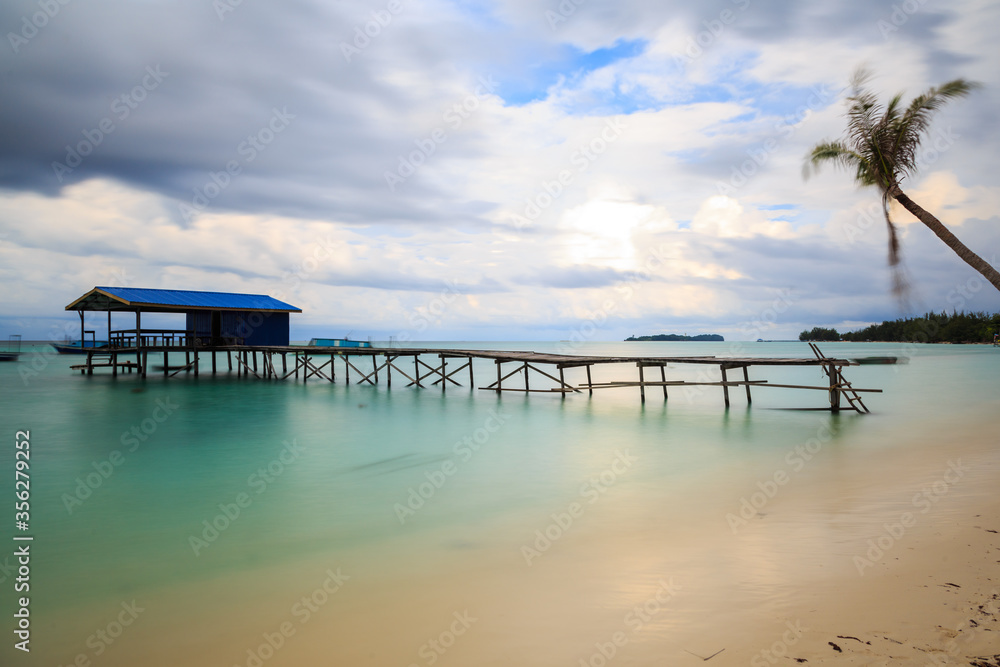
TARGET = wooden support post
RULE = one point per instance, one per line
(590, 384)
(347, 370)
(375, 367)
(305, 368)
(526, 387)
(196, 363)
(187, 357)
(499, 377)
(333, 366)
(145, 363)
(166, 362)
(725, 387)
(284, 365)
(444, 383)
(642, 383)
(254, 353)
(562, 381)
(663, 378)
(213, 362)
(138, 336)
(832, 371)
(114, 358)
(388, 370)
(416, 369)
(229, 358)
(746, 378)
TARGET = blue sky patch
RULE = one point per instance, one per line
(570, 63)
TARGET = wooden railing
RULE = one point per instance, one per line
(127, 338)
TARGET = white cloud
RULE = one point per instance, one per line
(708, 169)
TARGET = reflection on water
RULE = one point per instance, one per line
(229, 502)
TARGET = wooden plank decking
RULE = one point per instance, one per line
(548, 368)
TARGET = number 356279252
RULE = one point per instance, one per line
(22, 481)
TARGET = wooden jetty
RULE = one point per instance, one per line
(429, 367)
(252, 330)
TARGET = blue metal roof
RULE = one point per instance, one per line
(112, 298)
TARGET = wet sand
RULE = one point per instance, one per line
(645, 576)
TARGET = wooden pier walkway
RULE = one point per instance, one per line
(411, 364)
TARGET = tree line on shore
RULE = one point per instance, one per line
(930, 328)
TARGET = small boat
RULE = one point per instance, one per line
(79, 346)
(82, 346)
(338, 342)
(13, 350)
(864, 361)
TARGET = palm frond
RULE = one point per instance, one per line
(914, 124)
(837, 152)
(881, 144)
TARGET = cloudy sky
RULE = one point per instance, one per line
(495, 170)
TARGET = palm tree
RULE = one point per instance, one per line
(881, 146)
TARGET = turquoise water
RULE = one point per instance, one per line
(125, 472)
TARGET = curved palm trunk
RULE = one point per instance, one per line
(943, 233)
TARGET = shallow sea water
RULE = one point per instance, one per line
(375, 523)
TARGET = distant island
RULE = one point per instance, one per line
(957, 327)
(674, 337)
